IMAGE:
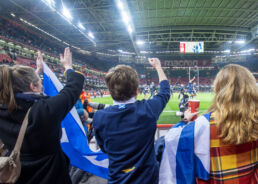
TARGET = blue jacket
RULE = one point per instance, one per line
(126, 133)
(79, 108)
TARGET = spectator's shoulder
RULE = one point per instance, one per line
(99, 114)
(164, 83)
(99, 118)
(140, 102)
(74, 74)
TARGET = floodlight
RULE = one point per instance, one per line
(50, 3)
(90, 34)
(13, 14)
(140, 42)
(120, 5)
(125, 17)
(227, 51)
(240, 41)
(67, 14)
(129, 28)
(81, 26)
(125, 14)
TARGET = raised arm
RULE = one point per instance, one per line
(159, 101)
(56, 107)
(155, 62)
(191, 81)
(66, 59)
(39, 63)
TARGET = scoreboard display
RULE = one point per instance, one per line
(191, 47)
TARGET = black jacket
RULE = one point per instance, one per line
(42, 158)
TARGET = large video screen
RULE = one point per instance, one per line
(191, 47)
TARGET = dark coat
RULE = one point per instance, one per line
(126, 133)
(42, 158)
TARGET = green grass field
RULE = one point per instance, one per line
(168, 116)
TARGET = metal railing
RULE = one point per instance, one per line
(162, 130)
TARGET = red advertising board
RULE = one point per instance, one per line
(182, 47)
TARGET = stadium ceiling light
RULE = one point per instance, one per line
(129, 28)
(125, 14)
(249, 50)
(66, 13)
(90, 34)
(227, 51)
(240, 41)
(120, 5)
(12, 14)
(140, 42)
(81, 26)
(50, 3)
(65, 43)
(144, 52)
(125, 17)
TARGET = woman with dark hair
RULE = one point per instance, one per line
(42, 158)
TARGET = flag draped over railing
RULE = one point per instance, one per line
(186, 154)
(74, 142)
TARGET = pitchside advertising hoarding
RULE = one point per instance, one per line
(185, 63)
(191, 47)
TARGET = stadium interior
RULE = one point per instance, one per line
(190, 37)
(103, 34)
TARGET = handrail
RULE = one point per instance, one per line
(165, 125)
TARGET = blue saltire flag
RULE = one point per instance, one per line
(74, 141)
(186, 155)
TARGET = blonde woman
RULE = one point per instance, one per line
(234, 127)
(223, 148)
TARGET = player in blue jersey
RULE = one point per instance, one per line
(183, 90)
(191, 89)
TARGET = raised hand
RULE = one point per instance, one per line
(155, 62)
(39, 63)
(188, 115)
(66, 59)
(85, 115)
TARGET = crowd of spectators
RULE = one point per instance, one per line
(94, 80)
(13, 31)
(93, 84)
(125, 131)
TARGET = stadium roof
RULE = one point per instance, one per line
(156, 25)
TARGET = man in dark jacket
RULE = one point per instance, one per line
(125, 131)
(42, 158)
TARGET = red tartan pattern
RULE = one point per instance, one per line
(231, 164)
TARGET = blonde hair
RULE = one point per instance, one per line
(235, 105)
(13, 80)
